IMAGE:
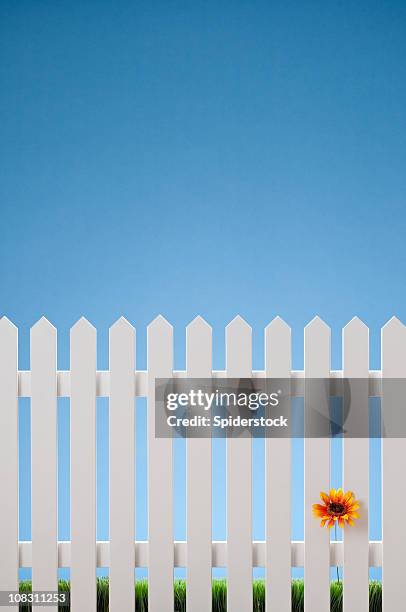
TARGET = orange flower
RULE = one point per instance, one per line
(338, 507)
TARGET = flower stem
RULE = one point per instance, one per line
(335, 534)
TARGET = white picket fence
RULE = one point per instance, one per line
(83, 383)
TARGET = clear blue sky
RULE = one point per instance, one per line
(205, 157)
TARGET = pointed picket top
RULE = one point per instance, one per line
(317, 323)
(160, 347)
(6, 325)
(393, 348)
(317, 330)
(393, 336)
(82, 324)
(83, 344)
(394, 324)
(122, 323)
(317, 335)
(198, 348)
(8, 345)
(238, 347)
(278, 348)
(198, 323)
(238, 323)
(121, 340)
(159, 326)
(122, 360)
(356, 324)
(159, 323)
(43, 325)
(277, 324)
(43, 363)
(355, 343)
(159, 334)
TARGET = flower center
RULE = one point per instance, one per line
(336, 508)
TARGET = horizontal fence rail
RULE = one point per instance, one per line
(141, 382)
(218, 554)
(161, 554)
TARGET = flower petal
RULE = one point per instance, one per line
(324, 497)
(319, 510)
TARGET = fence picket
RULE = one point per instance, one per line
(393, 467)
(44, 458)
(356, 467)
(122, 511)
(278, 569)
(199, 480)
(160, 476)
(8, 458)
(239, 480)
(317, 472)
(83, 467)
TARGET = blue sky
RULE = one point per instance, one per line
(207, 157)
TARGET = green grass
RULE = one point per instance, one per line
(219, 595)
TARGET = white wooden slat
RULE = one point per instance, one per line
(317, 472)
(239, 480)
(278, 571)
(356, 467)
(44, 458)
(83, 467)
(122, 507)
(199, 480)
(9, 561)
(160, 476)
(393, 469)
